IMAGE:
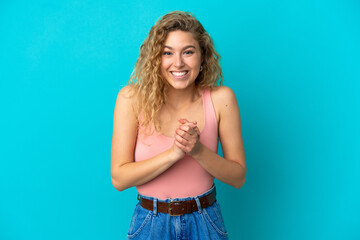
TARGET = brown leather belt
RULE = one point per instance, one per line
(178, 208)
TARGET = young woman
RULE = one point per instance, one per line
(167, 123)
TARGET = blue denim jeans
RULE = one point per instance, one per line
(206, 223)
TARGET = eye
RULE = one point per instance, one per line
(167, 53)
(189, 52)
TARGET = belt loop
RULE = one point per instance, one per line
(198, 204)
(155, 207)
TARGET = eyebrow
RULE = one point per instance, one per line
(188, 46)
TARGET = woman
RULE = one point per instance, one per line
(165, 138)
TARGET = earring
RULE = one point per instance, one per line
(201, 68)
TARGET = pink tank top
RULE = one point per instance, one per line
(186, 178)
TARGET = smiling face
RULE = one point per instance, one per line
(181, 59)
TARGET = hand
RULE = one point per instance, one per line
(176, 152)
(187, 137)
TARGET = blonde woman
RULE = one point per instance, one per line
(167, 123)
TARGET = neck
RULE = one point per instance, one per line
(177, 99)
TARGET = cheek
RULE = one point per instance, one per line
(196, 62)
(164, 69)
(164, 65)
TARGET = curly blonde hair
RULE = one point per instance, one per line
(148, 84)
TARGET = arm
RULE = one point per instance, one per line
(126, 173)
(231, 168)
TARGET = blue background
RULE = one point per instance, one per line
(294, 66)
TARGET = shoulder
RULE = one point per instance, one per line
(222, 92)
(222, 96)
(126, 92)
(125, 101)
(127, 95)
(224, 100)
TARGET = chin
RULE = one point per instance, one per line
(179, 86)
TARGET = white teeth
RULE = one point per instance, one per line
(179, 73)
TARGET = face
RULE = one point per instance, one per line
(181, 59)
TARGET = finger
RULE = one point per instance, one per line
(197, 130)
(191, 124)
(190, 130)
(185, 128)
(179, 145)
(185, 121)
(181, 140)
(184, 147)
(183, 134)
(182, 144)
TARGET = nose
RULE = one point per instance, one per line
(179, 62)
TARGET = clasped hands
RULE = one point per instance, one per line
(187, 137)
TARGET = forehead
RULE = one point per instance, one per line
(180, 38)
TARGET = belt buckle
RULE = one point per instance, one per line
(170, 208)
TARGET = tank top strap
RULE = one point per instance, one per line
(209, 110)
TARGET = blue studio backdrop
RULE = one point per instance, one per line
(295, 69)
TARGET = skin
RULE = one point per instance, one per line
(182, 118)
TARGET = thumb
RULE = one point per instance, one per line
(186, 122)
(183, 120)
